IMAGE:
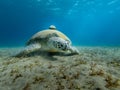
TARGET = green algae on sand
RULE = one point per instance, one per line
(96, 68)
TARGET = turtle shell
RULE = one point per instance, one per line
(42, 36)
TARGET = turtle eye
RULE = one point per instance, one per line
(59, 45)
(63, 46)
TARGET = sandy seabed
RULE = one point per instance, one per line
(96, 68)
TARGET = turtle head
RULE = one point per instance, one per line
(58, 43)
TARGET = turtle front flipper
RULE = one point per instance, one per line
(73, 50)
(28, 49)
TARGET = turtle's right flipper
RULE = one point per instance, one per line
(27, 50)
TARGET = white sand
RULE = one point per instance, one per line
(96, 68)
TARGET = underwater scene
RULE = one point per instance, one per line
(59, 44)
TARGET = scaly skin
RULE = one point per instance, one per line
(59, 44)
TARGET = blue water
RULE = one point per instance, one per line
(85, 22)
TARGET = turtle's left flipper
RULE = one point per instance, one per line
(73, 50)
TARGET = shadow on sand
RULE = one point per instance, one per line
(46, 55)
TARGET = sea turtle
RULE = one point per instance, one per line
(50, 40)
